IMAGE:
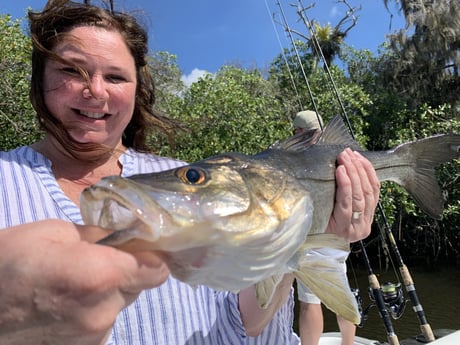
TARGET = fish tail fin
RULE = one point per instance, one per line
(420, 179)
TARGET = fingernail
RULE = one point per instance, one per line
(346, 154)
(357, 154)
(341, 170)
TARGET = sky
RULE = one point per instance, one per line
(207, 34)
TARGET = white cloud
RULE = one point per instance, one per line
(189, 79)
(334, 12)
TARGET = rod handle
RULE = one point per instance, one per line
(427, 332)
(393, 339)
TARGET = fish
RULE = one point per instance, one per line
(232, 220)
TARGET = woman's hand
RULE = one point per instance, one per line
(57, 288)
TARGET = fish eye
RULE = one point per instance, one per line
(192, 175)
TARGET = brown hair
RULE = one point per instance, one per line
(51, 25)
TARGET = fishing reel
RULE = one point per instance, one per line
(359, 302)
(393, 297)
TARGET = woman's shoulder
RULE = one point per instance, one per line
(22, 155)
(16, 152)
(139, 162)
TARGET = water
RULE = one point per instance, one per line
(438, 292)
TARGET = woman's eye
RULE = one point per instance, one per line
(70, 70)
(116, 78)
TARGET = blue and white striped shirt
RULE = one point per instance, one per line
(171, 314)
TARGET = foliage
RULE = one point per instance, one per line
(401, 210)
(17, 118)
(287, 73)
(313, 89)
(168, 88)
(386, 108)
(423, 59)
(396, 117)
(233, 110)
(167, 76)
(423, 123)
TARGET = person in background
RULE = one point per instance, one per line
(307, 119)
(93, 93)
(311, 322)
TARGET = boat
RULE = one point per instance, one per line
(444, 337)
(334, 338)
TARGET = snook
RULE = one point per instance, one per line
(231, 221)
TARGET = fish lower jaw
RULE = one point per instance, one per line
(113, 211)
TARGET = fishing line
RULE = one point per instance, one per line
(302, 11)
(375, 289)
(385, 230)
(299, 60)
(283, 54)
(385, 233)
(386, 249)
(314, 37)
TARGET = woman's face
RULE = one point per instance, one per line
(102, 114)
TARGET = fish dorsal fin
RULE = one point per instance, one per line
(300, 141)
(335, 133)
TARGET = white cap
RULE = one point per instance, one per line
(307, 119)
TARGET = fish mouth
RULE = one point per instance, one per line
(118, 204)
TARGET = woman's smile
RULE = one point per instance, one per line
(92, 115)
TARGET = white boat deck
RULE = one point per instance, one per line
(334, 338)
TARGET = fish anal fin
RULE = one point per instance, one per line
(326, 279)
(265, 289)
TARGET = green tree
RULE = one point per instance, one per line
(314, 90)
(436, 237)
(287, 73)
(423, 59)
(393, 121)
(17, 118)
(167, 76)
(233, 110)
(168, 90)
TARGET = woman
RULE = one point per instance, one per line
(93, 94)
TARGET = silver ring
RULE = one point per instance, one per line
(356, 214)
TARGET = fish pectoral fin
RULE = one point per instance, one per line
(265, 289)
(325, 277)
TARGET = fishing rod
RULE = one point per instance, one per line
(407, 279)
(291, 77)
(299, 60)
(379, 299)
(301, 11)
(376, 291)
